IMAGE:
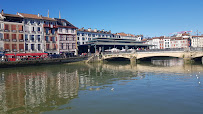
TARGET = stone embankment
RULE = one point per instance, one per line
(41, 62)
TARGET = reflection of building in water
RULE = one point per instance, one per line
(28, 92)
(168, 62)
(2, 94)
(35, 88)
(67, 84)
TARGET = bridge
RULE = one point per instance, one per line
(187, 55)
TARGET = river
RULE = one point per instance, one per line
(159, 87)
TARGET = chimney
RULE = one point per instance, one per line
(102, 30)
(48, 14)
(38, 15)
(109, 31)
(59, 15)
(2, 11)
(95, 30)
(89, 29)
(82, 28)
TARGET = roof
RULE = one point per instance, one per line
(11, 15)
(197, 36)
(49, 19)
(98, 31)
(124, 34)
(33, 16)
(60, 23)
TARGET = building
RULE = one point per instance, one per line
(102, 44)
(180, 42)
(85, 35)
(34, 33)
(66, 34)
(197, 41)
(50, 34)
(128, 36)
(13, 33)
(162, 42)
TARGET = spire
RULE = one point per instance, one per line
(48, 13)
(2, 11)
(59, 15)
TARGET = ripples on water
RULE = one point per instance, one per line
(170, 87)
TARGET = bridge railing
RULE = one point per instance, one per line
(120, 52)
(156, 50)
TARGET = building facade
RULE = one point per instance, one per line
(85, 35)
(13, 33)
(197, 41)
(50, 34)
(66, 34)
(33, 29)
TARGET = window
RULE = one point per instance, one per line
(32, 37)
(67, 46)
(83, 34)
(32, 46)
(47, 38)
(39, 47)
(83, 38)
(47, 31)
(53, 31)
(72, 30)
(78, 38)
(38, 29)
(60, 29)
(33, 28)
(78, 34)
(6, 27)
(38, 37)
(61, 45)
(93, 35)
(53, 39)
(26, 37)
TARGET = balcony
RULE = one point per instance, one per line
(47, 41)
(20, 31)
(7, 40)
(6, 30)
(1, 29)
(27, 31)
(50, 26)
(53, 41)
(7, 50)
(14, 50)
(14, 31)
(39, 32)
(14, 40)
(21, 50)
(47, 33)
(21, 40)
(34, 32)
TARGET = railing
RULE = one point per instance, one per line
(156, 50)
(159, 50)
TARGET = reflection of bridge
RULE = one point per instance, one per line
(133, 56)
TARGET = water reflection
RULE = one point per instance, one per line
(36, 91)
(167, 61)
(46, 88)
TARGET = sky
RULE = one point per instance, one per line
(148, 17)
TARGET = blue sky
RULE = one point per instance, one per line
(147, 17)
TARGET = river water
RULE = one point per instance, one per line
(160, 87)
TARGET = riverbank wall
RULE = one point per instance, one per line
(41, 62)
